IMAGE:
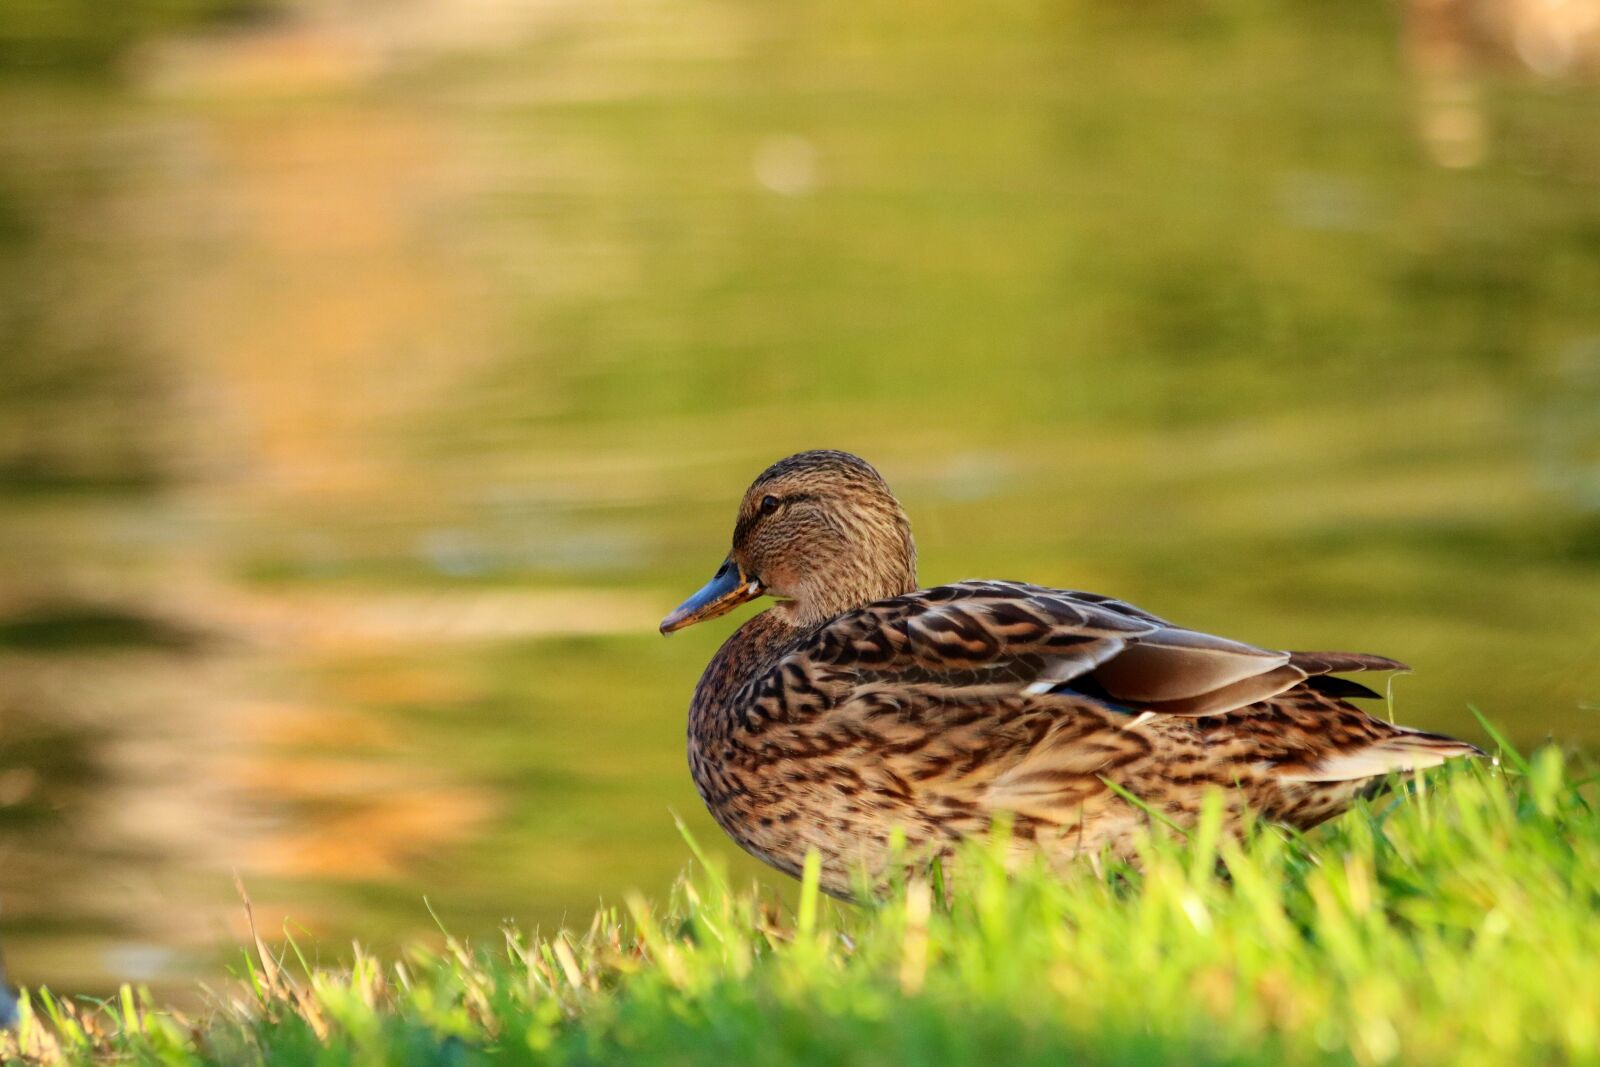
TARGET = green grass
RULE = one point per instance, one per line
(1452, 921)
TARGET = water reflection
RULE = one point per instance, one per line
(364, 409)
(1454, 47)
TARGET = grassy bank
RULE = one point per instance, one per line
(1459, 923)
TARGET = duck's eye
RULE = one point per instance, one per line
(769, 504)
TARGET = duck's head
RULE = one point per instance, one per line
(820, 530)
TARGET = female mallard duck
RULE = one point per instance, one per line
(859, 703)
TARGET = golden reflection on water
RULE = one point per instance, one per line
(303, 289)
(1453, 46)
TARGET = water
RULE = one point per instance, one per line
(373, 384)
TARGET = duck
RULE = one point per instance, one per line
(866, 719)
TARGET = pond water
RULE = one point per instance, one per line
(370, 388)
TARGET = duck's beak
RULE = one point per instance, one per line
(727, 589)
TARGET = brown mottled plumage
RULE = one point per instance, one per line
(859, 704)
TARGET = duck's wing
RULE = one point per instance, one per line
(977, 641)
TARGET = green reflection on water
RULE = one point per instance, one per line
(411, 396)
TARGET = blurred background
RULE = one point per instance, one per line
(375, 375)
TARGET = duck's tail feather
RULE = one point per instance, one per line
(1323, 668)
(1341, 688)
(1402, 750)
(1315, 663)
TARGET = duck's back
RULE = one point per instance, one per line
(939, 711)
